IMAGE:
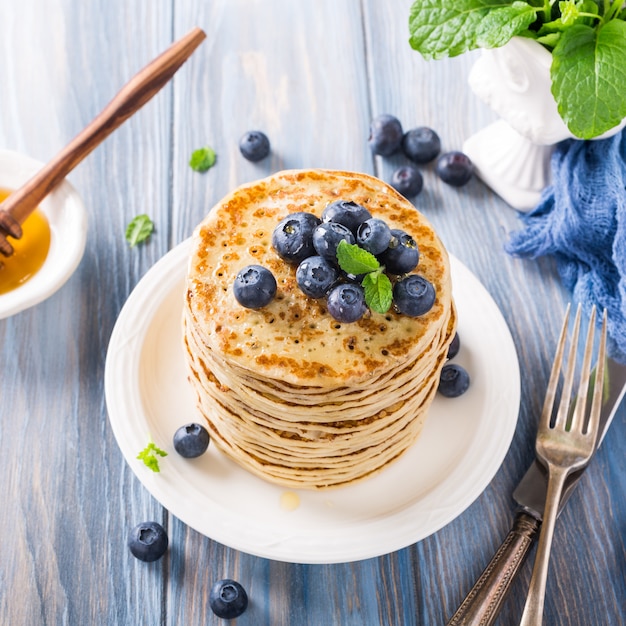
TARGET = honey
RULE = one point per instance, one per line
(29, 252)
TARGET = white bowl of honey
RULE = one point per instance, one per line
(52, 243)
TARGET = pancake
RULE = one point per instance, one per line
(288, 392)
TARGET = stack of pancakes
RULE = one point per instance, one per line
(288, 392)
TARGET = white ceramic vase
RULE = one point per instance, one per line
(512, 155)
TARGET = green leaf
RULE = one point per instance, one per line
(355, 260)
(202, 159)
(447, 28)
(500, 25)
(147, 455)
(588, 77)
(139, 229)
(378, 291)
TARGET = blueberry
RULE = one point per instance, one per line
(315, 276)
(421, 144)
(191, 440)
(254, 287)
(254, 145)
(407, 180)
(413, 295)
(348, 213)
(402, 254)
(148, 541)
(385, 135)
(228, 599)
(346, 302)
(454, 347)
(293, 236)
(454, 380)
(454, 168)
(326, 238)
(373, 235)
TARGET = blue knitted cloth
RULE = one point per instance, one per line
(581, 221)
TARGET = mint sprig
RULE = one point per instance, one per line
(149, 456)
(139, 229)
(587, 40)
(376, 285)
(202, 159)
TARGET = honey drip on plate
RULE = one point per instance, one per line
(29, 252)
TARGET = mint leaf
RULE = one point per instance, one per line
(588, 76)
(447, 28)
(148, 456)
(378, 291)
(202, 159)
(139, 229)
(500, 25)
(355, 260)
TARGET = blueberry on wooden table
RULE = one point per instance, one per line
(421, 144)
(293, 236)
(254, 145)
(385, 135)
(348, 213)
(413, 295)
(454, 168)
(454, 380)
(148, 541)
(191, 440)
(407, 180)
(228, 599)
(254, 286)
(402, 254)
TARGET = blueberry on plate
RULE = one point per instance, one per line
(254, 287)
(454, 168)
(315, 276)
(346, 212)
(407, 180)
(254, 145)
(385, 135)
(421, 144)
(191, 440)
(454, 347)
(454, 380)
(346, 302)
(148, 541)
(413, 295)
(326, 238)
(373, 235)
(228, 599)
(293, 236)
(402, 254)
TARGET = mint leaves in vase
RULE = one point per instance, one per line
(587, 41)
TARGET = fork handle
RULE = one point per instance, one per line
(533, 609)
(482, 604)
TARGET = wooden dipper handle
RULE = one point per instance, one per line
(22, 202)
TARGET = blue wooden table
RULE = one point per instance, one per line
(311, 74)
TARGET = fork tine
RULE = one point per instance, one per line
(568, 383)
(598, 390)
(578, 418)
(548, 402)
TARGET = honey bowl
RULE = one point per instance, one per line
(59, 224)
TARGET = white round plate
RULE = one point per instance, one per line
(67, 218)
(461, 447)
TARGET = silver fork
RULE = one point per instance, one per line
(564, 447)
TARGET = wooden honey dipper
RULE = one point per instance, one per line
(133, 95)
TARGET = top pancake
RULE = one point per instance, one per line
(294, 339)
